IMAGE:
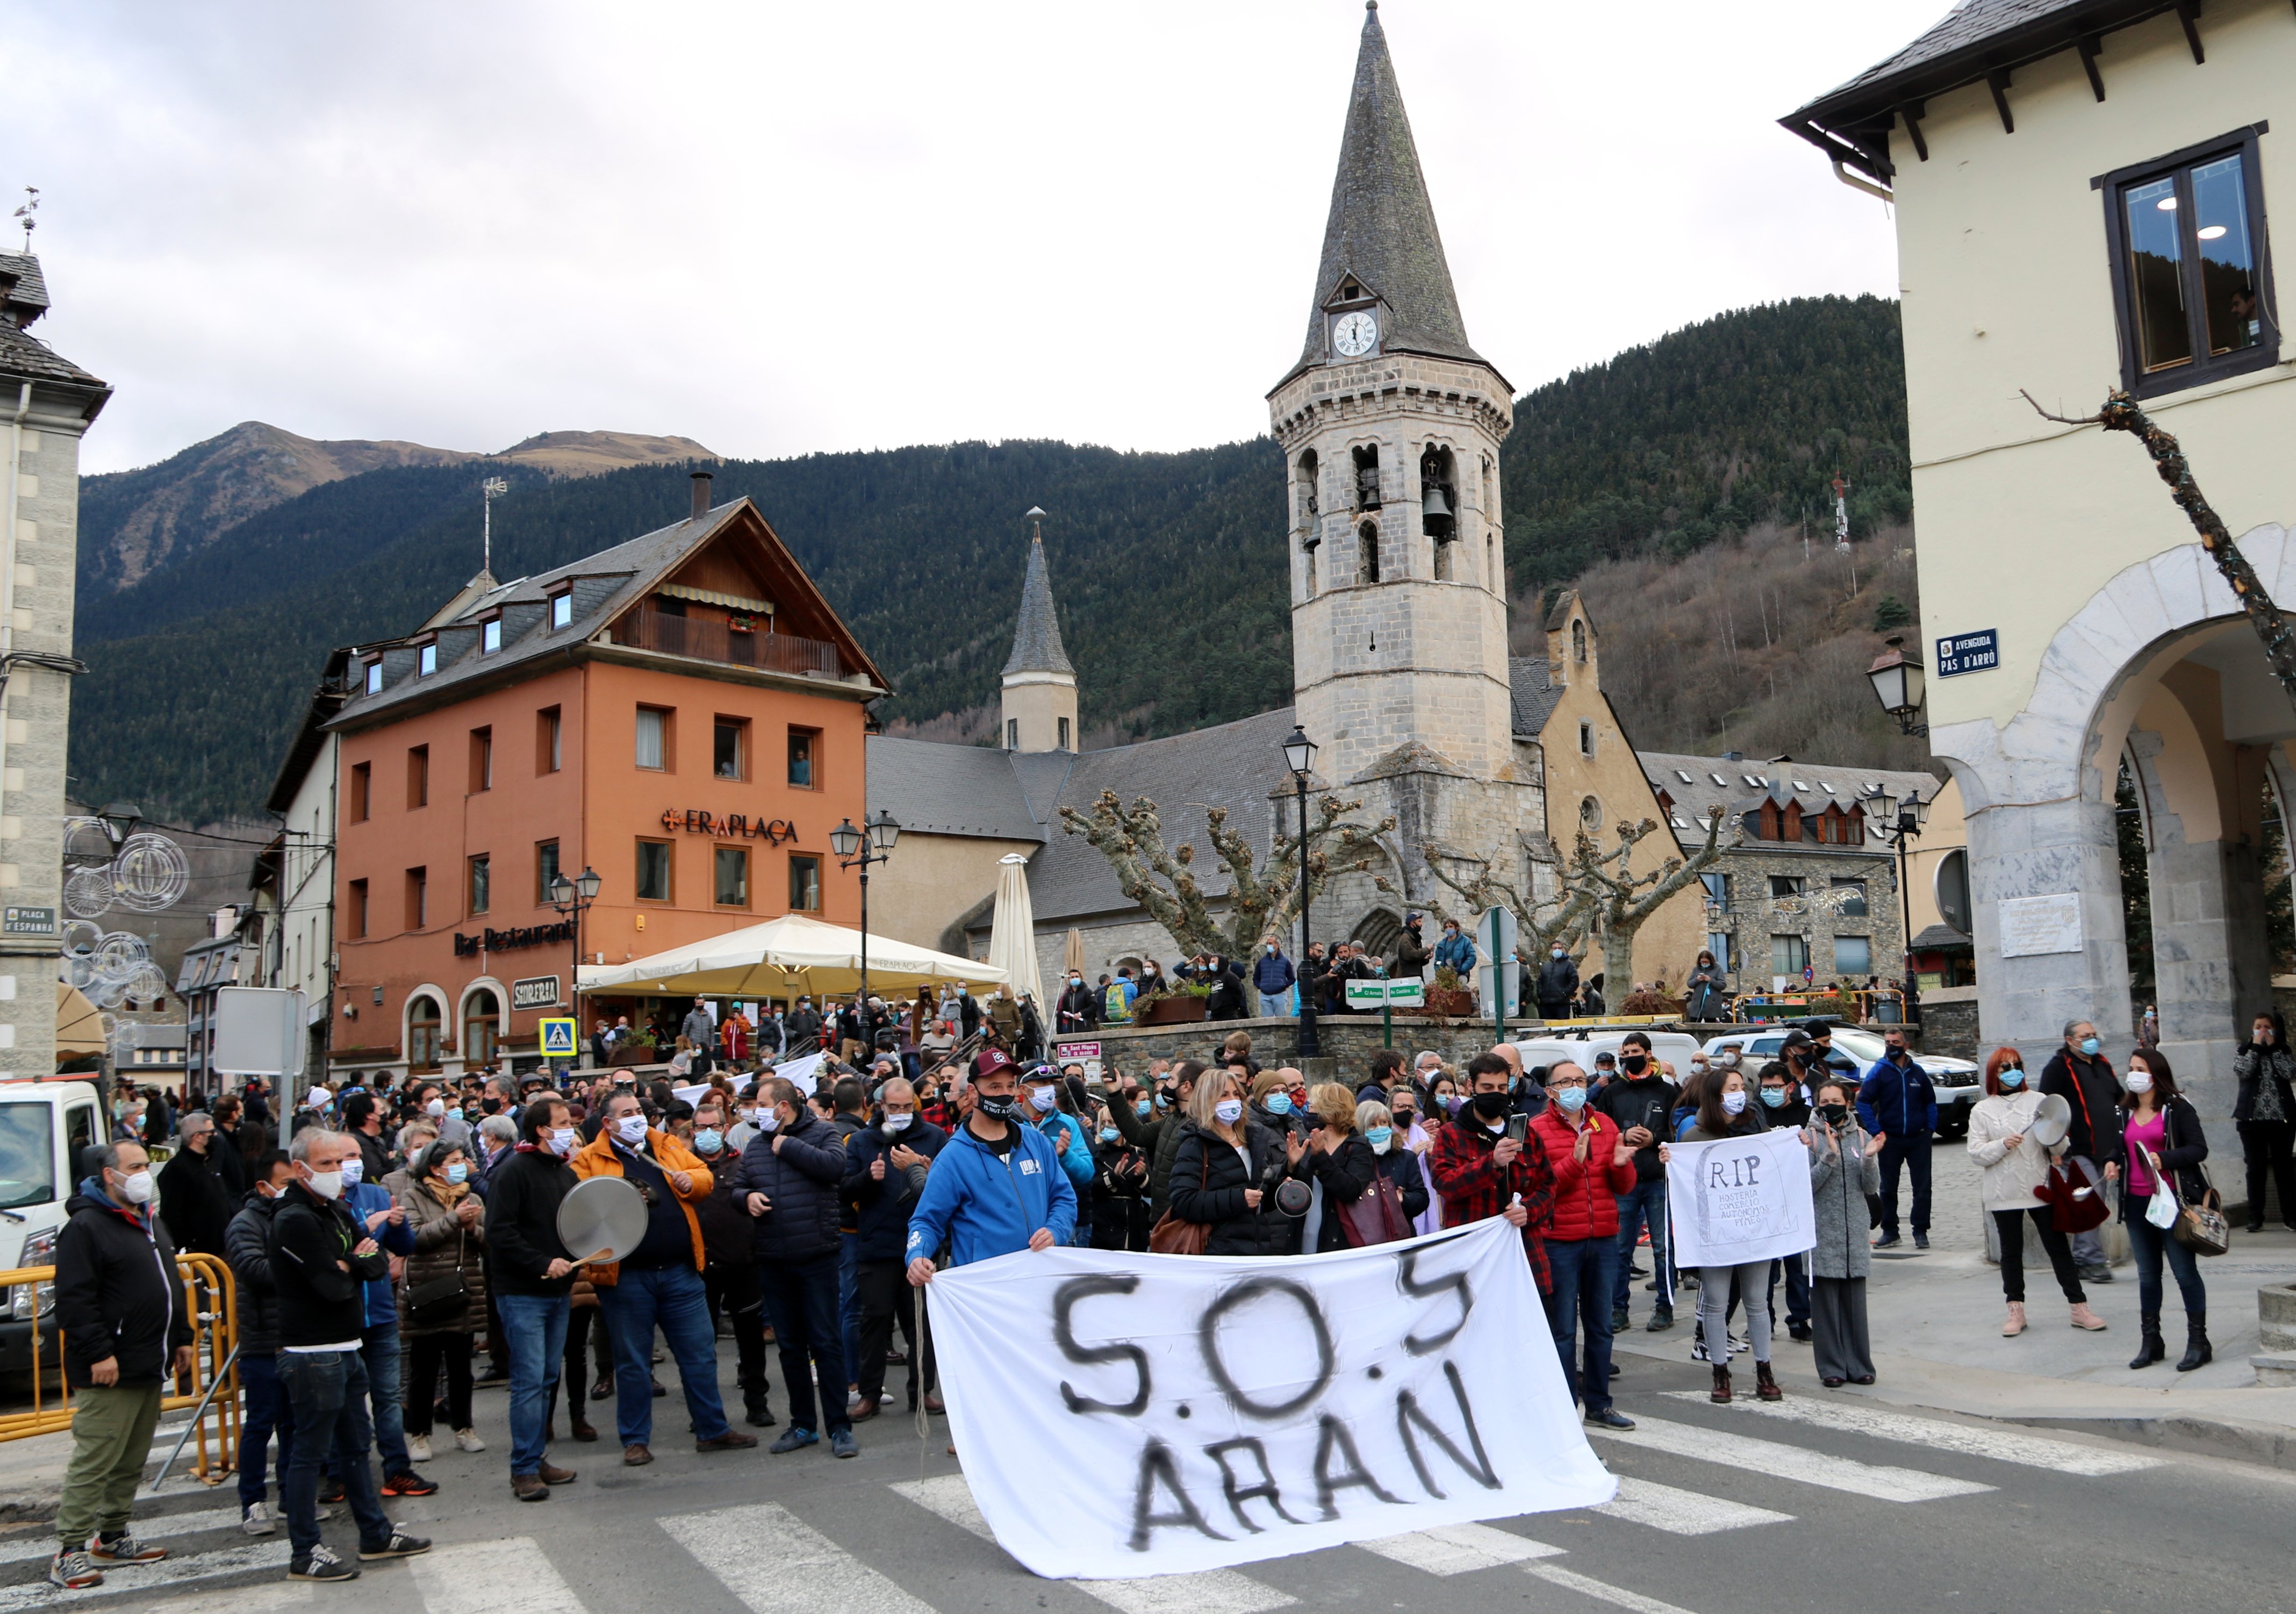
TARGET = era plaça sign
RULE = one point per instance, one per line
(740, 826)
(517, 935)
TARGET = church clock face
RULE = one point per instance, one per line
(1353, 335)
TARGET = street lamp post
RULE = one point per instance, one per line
(572, 897)
(848, 843)
(1896, 681)
(1299, 757)
(1898, 821)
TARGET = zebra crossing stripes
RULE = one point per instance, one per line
(1618, 1597)
(1680, 1512)
(776, 1563)
(514, 1576)
(2001, 1444)
(1775, 1461)
(1455, 1549)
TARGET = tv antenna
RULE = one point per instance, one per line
(491, 489)
(1840, 515)
(31, 206)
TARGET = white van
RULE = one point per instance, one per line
(44, 1125)
(1675, 1047)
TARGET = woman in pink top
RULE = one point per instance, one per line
(2163, 1131)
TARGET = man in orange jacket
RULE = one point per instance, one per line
(1593, 1165)
(659, 1282)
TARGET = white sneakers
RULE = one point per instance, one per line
(468, 1440)
(418, 1448)
(257, 1522)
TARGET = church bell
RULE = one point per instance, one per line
(1434, 506)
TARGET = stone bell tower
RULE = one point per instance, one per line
(1390, 426)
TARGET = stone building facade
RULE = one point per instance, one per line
(48, 404)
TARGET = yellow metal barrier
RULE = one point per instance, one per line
(209, 1286)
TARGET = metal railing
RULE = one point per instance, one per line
(646, 628)
(211, 1389)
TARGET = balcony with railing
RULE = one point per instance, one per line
(702, 640)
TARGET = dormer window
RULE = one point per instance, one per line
(426, 660)
(374, 677)
(490, 636)
(561, 609)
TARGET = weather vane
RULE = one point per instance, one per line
(31, 206)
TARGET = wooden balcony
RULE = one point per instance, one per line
(646, 628)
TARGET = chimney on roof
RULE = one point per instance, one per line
(701, 495)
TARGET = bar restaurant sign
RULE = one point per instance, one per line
(736, 826)
(491, 940)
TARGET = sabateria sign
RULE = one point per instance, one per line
(694, 821)
(518, 936)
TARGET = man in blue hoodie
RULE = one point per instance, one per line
(996, 1186)
(386, 1221)
(1272, 975)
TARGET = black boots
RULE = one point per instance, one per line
(2198, 1352)
(2151, 1348)
(1721, 1390)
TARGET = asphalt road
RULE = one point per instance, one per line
(1836, 1503)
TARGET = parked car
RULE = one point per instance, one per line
(1959, 1083)
(1580, 1047)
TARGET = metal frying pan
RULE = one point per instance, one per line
(601, 1219)
(2050, 1121)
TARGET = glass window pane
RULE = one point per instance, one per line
(650, 746)
(805, 884)
(1853, 900)
(653, 871)
(490, 638)
(1788, 955)
(1853, 956)
(427, 660)
(801, 758)
(2156, 276)
(732, 877)
(2227, 258)
(479, 882)
(546, 869)
(561, 610)
(728, 750)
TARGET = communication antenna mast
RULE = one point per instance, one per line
(31, 206)
(491, 489)
(1840, 515)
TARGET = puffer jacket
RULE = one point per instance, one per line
(255, 1301)
(728, 1238)
(2011, 1175)
(1584, 1202)
(882, 1206)
(1838, 1182)
(119, 1292)
(1345, 1175)
(801, 1182)
(443, 1246)
(1208, 1184)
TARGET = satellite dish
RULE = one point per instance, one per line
(2050, 1121)
(601, 1219)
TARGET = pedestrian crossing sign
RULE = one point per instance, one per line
(558, 1039)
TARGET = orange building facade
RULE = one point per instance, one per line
(683, 714)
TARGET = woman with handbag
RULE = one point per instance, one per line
(1389, 1134)
(2015, 1166)
(2162, 1177)
(1224, 1177)
(442, 1299)
(1341, 1168)
(2265, 1113)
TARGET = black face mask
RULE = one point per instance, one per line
(1002, 1108)
(1835, 1114)
(1492, 1106)
(1635, 1064)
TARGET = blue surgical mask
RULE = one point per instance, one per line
(1108, 1134)
(1144, 1106)
(459, 1172)
(1573, 1099)
(709, 1140)
(2089, 1045)
(1379, 1138)
(1774, 1097)
(2012, 1076)
(1279, 1103)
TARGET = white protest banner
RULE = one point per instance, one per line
(1745, 1198)
(802, 1071)
(1199, 1411)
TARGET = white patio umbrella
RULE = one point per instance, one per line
(783, 957)
(1012, 931)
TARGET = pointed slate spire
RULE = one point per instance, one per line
(1037, 638)
(1381, 228)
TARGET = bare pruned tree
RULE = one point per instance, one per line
(1539, 922)
(1624, 900)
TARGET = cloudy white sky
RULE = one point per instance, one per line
(780, 228)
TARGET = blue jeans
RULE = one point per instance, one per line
(537, 1327)
(801, 1304)
(380, 1350)
(1645, 1202)
(674, 1298)
(268, 1410)
(328, 1390)
(1796, 1268)
(2149, 1244)
(1584, 1274)
(1275, 1005)
(848, 1303)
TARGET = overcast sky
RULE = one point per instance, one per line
(785, 229)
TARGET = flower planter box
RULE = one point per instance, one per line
(1182, 1008)
(629, 1054)
(1458, 1002)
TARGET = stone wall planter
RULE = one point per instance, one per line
(1180, 1008)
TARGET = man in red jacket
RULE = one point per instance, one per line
(1593, 1164)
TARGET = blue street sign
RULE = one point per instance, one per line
(1976, 652)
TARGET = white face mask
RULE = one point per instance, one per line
(436, 1107)
(326, 1185)
(561, 1141)
(896, 1123)
(2139, 1081)
(135, 1187)
(1228, 1110)
(1041, 1100)
(354, 1173)
(769, 1120)
(631, 1129)
(749, 1114)
(1734, 1104)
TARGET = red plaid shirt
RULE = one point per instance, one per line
(1473, 1189)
